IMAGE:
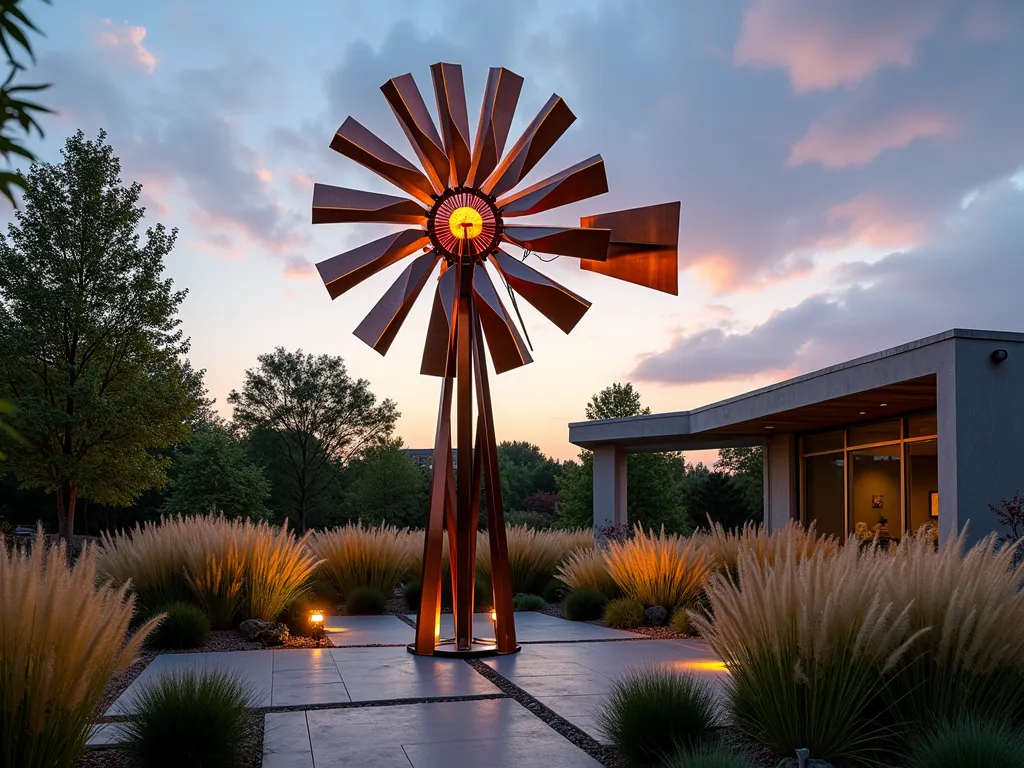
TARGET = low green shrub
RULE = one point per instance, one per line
(624, 613)
(411, 592)
(185, 626)
(365, 601)
(653, 712)
(528, 603)
(554, 591)
(585, 605)
(706, 757)
(189, 718)
(969, 742)
(681, 621)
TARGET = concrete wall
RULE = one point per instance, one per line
(981, 435)
(781, 495)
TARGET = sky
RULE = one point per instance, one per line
(851, 175)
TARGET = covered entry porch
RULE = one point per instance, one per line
(927, 433)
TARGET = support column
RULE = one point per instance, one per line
(609, 486)
(781, 496)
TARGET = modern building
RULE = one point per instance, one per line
(930, 431)
(424, 457)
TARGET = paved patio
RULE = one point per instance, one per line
(568, 666)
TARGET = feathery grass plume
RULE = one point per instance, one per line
(652, 712)
(189, 717)
(63, 633)
(533, 555)
(357, 556)
(807, 642)
(152, 557)
(661, 569)
(585, 568)
(971, 662)
(278, 569)
(724, 546)
(214, 566)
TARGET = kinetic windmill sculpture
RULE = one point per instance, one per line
(459, 219)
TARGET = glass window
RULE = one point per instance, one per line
(874, 433)
(923, 484)
(926, 425)
(823, 493)
(875, 492)
(829, 441)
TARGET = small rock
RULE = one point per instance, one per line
(656, 615)
(792, 762)
(251, 628)
(275, 634)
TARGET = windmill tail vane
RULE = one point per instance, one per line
(462, 207)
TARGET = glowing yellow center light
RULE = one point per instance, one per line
(317, 617)
(466, 222)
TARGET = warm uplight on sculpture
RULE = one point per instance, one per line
(466, 223)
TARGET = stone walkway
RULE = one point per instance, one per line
(382, 706)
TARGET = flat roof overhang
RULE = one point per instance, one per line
(903, 378)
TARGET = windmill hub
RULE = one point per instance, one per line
(464, 222)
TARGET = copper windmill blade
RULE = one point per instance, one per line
(439, 349)
(451, 111)
(556, 302)
(407, 103)
(501, 94)
(508, 350)
(380, 327)
(339, 205)
(578, 182)
(356, 142)
(644, 246)
(348, 269)
(578, 242)
(540, 135)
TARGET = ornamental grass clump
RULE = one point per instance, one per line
(808, 643)
(189, 719)
(63, 634)
(624, 613)
(968, 608)
(660, 569)
(586, 569)
(234, 569)
(652, 713)
(714, 756)
(184, 625)
(533, 555)
(378, 557)
(968, 742)
(724, 547)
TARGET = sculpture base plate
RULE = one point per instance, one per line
(480, 648)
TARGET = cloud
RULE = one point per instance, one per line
(840, 143)
(968, 274)
(125, 45)
(298, 268)
(871, 222)
(823, 44)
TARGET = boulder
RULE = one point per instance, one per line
(251, 628)
(656, 615)
(275, 634)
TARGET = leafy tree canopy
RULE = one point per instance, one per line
(385, 486)
(91, 353)
(213, 474)
(317, 414)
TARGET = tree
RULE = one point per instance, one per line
(316, 414)
(213, 474)
(746, 466)
(525, 470)
(90, 350)
(14, 25)
(387, 487)
(715, 495)
(654, 485)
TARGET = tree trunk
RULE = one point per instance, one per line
(67, 493)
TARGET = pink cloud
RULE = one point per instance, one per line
(264, 175)
(300, 182)
(871, 223)
(724, 273)
(297, 268)
(125, 42)
(220, 245)
(823, 44)
(838, 144)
